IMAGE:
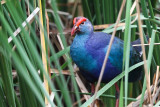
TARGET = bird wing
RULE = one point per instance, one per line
(97, 46)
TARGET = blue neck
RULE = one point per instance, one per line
(82, 36)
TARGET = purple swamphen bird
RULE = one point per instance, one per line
(88, 52)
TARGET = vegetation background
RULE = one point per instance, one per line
(36, 69)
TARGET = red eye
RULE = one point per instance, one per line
(74, 21)
(82, 23)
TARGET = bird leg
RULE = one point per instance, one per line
(92, 93)
(117, 95)
(92, 89)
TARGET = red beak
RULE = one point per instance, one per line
(74, 30)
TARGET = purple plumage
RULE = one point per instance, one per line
(89, 48)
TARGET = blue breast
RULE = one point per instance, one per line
(80, 55)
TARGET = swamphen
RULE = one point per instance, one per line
(88, 52)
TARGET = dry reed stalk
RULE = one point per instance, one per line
(49, 69)
(145, 44)
(74, 10)
(75, 103)
(82, 87)
(64, 72)
(155, 83)
(136, 103)
(44, 60)
(98, 27)
(144, 53)
(3, 2)
(29, 20)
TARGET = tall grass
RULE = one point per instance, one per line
(25, 64)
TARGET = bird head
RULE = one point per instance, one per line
(81, 25)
